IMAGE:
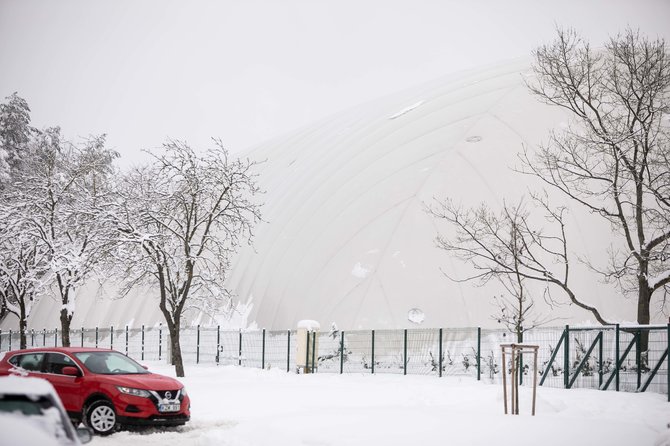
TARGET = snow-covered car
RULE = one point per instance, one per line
(31, 413)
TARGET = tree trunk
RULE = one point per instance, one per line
(173, 324)
(175, 347)
(23, 323)
(65, 320)
(643, 318)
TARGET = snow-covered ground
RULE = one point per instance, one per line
(246, 406)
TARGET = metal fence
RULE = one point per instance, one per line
(606, 357)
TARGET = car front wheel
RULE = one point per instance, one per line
(101, 417)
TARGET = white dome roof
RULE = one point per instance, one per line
(347, 238)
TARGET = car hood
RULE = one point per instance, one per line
(147, 381)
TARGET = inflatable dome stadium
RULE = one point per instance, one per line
(346, 238)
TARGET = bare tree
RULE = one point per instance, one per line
(613, 159)
(508, 248)
(179, 221)
(58, 201)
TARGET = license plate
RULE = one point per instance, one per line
(169, 407)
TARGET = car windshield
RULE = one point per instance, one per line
(110, 363)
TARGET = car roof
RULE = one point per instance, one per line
(59, 350)
(18, 385)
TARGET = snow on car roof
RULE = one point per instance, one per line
(18, 385)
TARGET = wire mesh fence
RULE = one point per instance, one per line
(631, 358)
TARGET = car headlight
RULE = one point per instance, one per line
(183, 391)
(134, 392)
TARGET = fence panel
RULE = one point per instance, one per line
(590, 362)
(252, 348)
(459, 352)
(279, 350)
(357, 352)
(389, 351)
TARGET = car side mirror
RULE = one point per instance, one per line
(70, 371)
(84, 434)
(145, 367)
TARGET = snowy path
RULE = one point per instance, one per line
(240, 406)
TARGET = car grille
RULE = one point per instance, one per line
(158, 395)
(169, 394)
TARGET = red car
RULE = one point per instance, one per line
(103, 388)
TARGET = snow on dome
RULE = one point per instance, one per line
(416, 316)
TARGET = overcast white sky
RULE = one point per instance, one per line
(246, 71)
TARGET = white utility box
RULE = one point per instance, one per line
(307, 353)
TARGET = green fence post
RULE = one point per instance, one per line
(142, 342)
(313, 351)
(96, 337)
(44, 337)
(566, 358)
(439, 352)
(0, 339)
(263, 352)
(10, 340)
(617, 353)
(239, 350)
(307, 352)
(479, 353)
(520, 368)
(373, 352)
(32, 337)
(218, 343)
(55, 337)
(197, 344)
(600, 360)
(82, 336)
(638, 358)
(288, 351)
(126, 340)
(404, 369)
(341, 352)
(160, 340)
